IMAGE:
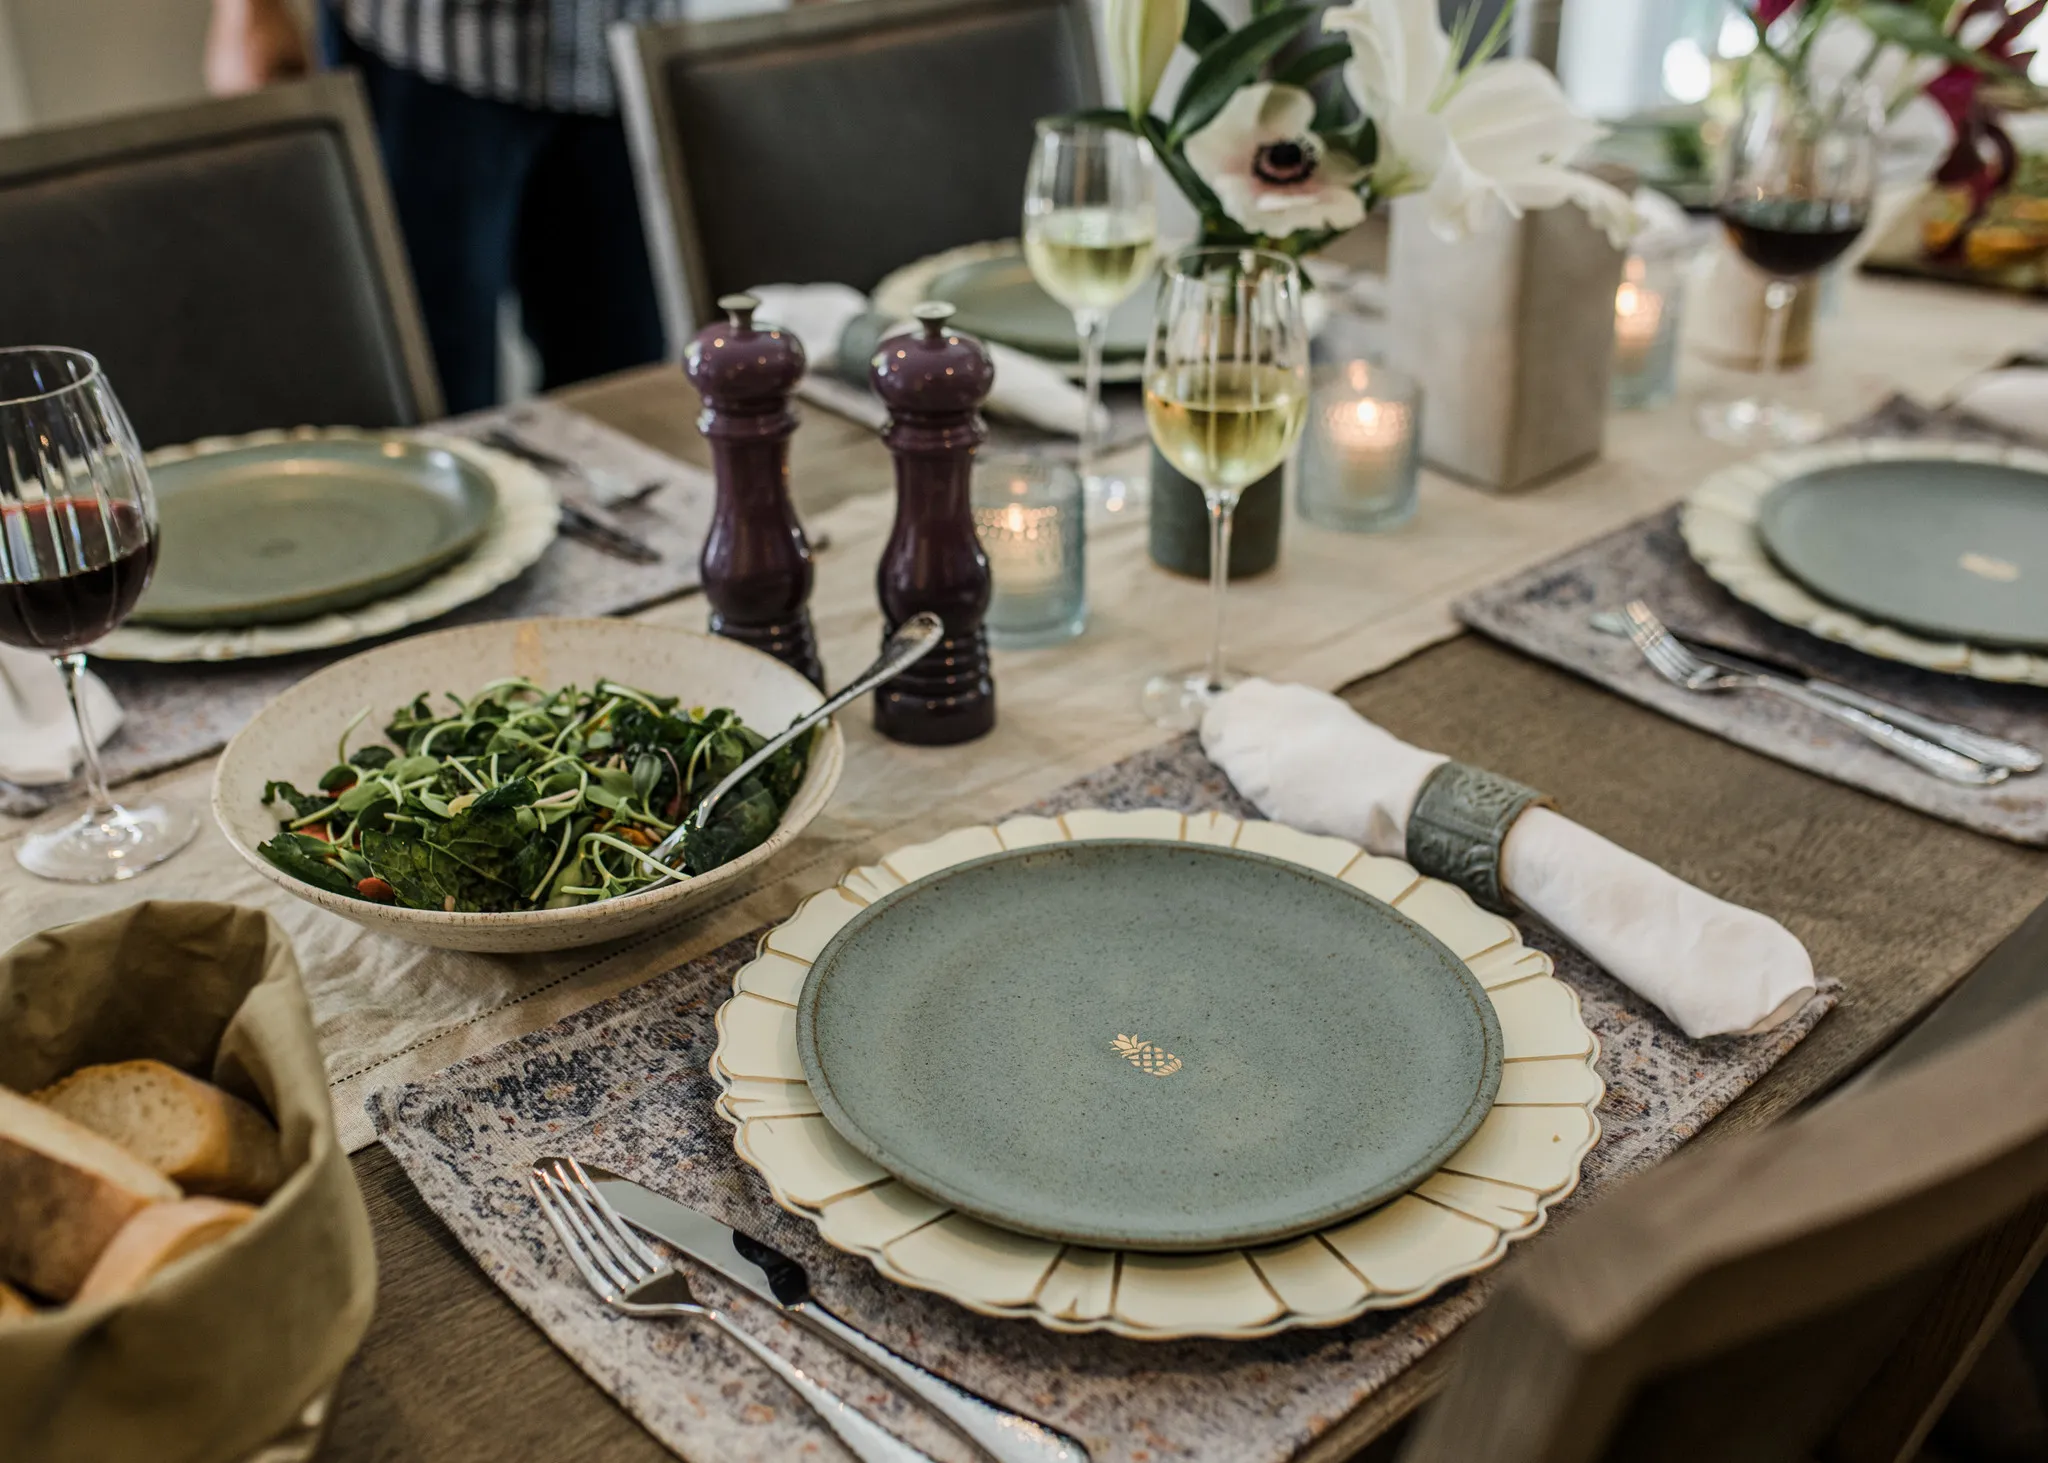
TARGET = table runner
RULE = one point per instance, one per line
(623, 1083)
(173, 713)
(1545, 611)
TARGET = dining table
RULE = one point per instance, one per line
(1898, 907)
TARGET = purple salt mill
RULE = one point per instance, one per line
(934, 382)
(756, 565)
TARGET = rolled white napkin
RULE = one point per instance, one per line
(2015, 398)
(38, 737)
(1308, 760)
(1026, 388)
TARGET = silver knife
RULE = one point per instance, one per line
(1983, 747)
(774, 1277)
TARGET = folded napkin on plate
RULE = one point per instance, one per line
(2015, 398)
(38, 738)
(840, 331)
(1308, 760)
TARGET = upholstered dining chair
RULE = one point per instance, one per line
(836, 142)
(233, 263)
(1815, 1291)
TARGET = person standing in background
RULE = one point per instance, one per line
(499, 128)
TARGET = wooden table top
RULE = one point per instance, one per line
(1896, 906)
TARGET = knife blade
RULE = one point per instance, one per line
(1967, 741)
(765, 1272)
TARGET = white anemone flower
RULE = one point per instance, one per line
(1467, 135)
(1261, 157)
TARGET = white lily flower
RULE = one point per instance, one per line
(1465, 136)
(1142, 36)
(1261, 157)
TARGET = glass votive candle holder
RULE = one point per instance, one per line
(1360, 448)
(1649, 307)
(1031, 516)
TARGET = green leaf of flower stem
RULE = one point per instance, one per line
(1360, 143)
(1110, 117)
(371, 757)
(1204, 27)
(1232, 62)
(1917, 31)
(1303, 69)
(1184, 177)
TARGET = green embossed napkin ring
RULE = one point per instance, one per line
(1459, 821)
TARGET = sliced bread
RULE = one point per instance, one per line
(190, 1131)
(14, 1306)
(65, 1191)
(155, 1237)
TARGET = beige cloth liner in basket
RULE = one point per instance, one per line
(223, 1351)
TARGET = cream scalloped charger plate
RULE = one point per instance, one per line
(522, 525)
(1496, 1187)
(1719, 522)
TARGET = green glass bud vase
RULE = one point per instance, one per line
(1180, 523)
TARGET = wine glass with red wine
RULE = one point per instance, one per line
(1802, 171)
(77, 544)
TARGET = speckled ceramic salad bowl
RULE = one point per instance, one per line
(294, 738)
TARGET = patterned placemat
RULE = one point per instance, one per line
(1547, 612)
(624, 1083)
(173, 713)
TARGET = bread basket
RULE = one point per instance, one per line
(226, 1349)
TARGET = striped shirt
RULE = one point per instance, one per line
(537, 53)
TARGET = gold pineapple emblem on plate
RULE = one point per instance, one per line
(1153, 1061)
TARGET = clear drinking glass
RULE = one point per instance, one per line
(1801, 175)
(1226, 388)
(77, 545)
(1089, 231)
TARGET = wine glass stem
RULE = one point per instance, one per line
(1778, 296)
(1222, 509)
(73, 667)
(1091, 326)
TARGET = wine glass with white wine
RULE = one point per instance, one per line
(1226, 391)
(1089, 228)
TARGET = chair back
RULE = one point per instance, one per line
(233, 263)
(835, 143)
(1815, 1291)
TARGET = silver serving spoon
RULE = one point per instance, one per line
(914, 639)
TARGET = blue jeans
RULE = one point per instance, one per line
(494, 197)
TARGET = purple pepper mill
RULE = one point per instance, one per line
(756, 565)
(934, 382)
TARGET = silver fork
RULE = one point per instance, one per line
(633, 1280)
(1682, 668)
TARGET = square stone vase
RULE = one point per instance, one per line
(1511, 333)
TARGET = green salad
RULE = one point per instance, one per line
(525, 798)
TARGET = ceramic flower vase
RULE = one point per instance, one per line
(1510, 332)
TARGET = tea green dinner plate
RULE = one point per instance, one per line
(284, 531)
(1953, 549)
(1149, 1046)
(998, 300)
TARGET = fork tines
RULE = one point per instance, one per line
(610, 1257)
(1665, 655)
